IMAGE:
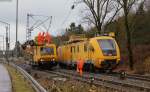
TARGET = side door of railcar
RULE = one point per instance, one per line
(72, 53)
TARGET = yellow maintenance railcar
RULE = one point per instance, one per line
(44, 55)
(99, 52)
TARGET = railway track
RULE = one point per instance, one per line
(139, 77)
(129, 85)
(132, 83)
(130, 76)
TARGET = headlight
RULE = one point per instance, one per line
(42, 60)
(53, 59)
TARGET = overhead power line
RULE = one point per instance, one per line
(38, 23)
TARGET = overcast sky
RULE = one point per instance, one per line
(59, 9)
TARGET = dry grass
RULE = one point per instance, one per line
(18, 81)
(71, 86)
(147, 65)
(143, 67)
(141, 52)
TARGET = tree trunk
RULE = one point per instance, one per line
(130, 53)
(99, 28)
(129, 47)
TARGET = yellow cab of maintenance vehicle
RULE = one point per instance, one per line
(45, 54)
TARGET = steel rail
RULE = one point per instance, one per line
(102, 82)
(120, 82)
(139, 77)
(132, 76)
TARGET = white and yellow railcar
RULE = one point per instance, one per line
(100, 52)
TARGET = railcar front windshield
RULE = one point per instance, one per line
(47, 51)
(108, 46)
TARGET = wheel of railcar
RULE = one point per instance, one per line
(41, 65)
(101, 70)
(108, 71)
(34, 66)
(61, 65)
(69, 67)
(55, 64)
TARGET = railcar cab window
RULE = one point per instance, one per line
(47, 51)
(108, 47)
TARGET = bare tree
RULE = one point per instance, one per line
(126, 7)
(100, 12)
